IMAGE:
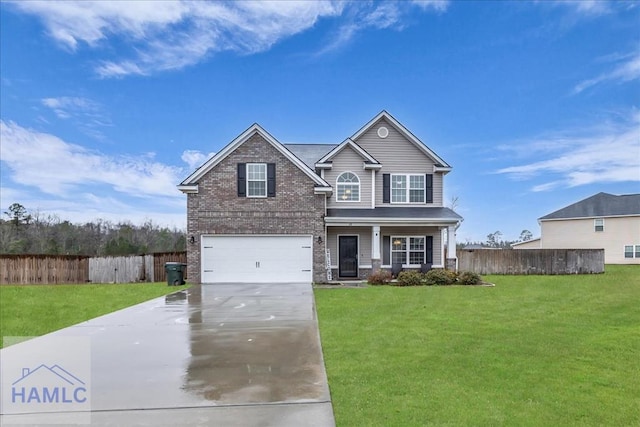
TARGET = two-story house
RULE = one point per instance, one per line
(263, 211)
(602, 221)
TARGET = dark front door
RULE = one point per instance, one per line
(348, 253)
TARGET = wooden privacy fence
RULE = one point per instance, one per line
(532, 261)
(53, 269)
(43, 269)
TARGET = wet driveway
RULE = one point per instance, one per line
(227, 355)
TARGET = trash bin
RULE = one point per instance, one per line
(175, 273)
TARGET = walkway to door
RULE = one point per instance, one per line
(232, 355)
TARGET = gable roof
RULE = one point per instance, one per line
(191, 182)
(368, 158)
(599, 205)
(440, 163)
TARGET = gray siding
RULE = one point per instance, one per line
(418, 231)
(398, 155)
(349, 161)
(365, 241)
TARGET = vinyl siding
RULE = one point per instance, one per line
(417, 231)
(580, 234)
(398, 155)
(349, 161)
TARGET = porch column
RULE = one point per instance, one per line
(451, 243)
(376, 260)
(452, 260)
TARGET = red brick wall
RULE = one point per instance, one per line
(217, 209)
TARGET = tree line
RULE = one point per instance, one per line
(494, 240)
(24, 232)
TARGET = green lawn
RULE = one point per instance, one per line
(531, 351)
(39, 309)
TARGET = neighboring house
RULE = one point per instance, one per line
(603, 221)
(262, 211)
(527, 244)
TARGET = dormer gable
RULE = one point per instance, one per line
(369, 162)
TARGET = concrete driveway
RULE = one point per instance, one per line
(221, 355)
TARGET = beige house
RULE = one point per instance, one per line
(603, 221)
(263, 211)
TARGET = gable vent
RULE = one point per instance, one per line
(383, 132)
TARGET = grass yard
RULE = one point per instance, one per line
(531, 351)
(40, 309)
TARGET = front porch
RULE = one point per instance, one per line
(360, 245)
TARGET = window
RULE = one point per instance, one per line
(407, 248)
(407, 188)
(629, 251)
(348, 188)
(256, 180)
(598, 224)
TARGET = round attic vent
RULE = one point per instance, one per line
(383, 132)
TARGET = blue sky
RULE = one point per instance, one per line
(106, 107)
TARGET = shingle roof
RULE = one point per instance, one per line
(395, 212)
(310, 153)
(599, 205)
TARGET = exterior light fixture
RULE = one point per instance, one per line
(192, 240)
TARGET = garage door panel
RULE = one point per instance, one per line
(258, 259)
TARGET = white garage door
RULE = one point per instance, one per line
(256, 259)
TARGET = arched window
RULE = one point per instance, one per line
(348, 187)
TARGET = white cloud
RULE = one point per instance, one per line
(608, 153)
(195, 158)
(59, 168)
(88, 207)
(87, 114)
(437, 5)
(625, 71)
(66, 106)
(168, 35)
(587, 7)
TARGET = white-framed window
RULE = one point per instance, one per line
(407, 188)
(632, 251)
(407, 250)
(256, 180)
(348, 187)
(598, 224)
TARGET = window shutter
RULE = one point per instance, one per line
(271, 179)
(386, 188)
(242, 180)
(429, 245)
(386, 248)
(429, 186)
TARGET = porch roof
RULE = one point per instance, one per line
(395, 215)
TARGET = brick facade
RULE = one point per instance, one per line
(217, 209)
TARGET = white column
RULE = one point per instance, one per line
(451, 243)
(373, 190)
(375, 242)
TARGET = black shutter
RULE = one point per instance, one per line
(271, 180)
(386, 248)
(242, 180)
(386, 188)
(429, 183)
(429, 246)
